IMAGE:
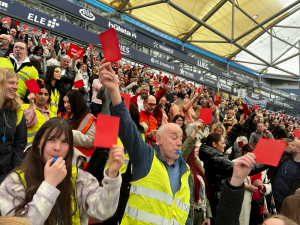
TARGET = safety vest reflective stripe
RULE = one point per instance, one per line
(29, 135)
(151, 193)
(174, 221)
(181, 205)
(23, 78)
(145, 216)
(86, 123)
(52, 104)
(22, 73)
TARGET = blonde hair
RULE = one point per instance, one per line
(286, 220)
(216, 125)
(13, 104)
(9, 220)
(180, 103)
(197, 111)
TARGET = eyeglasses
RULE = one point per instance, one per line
(151, 105)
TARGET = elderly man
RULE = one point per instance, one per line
(161, 182)
(4, 45)
(259, 133)
(277, 131)
(67, 74)
(19, 61)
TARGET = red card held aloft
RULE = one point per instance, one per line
(74, 49)
(44, 40)
(256, 107)
(7, 19)
(241, 144)
(107, 131)
(269, 151)
(246, 110)
(90, 46)
(110, 45)
(155, 84)
(126, 99)
(24, 27)
(296, 132)
(43, 31)
(217, 102)
(206, 115)
(217, 97)
(78, 84)
(16, 23)
(165, 80)
(51, 39)
(32, 86)
(34, 29)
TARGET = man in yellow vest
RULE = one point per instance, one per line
(161, 185)
(19, 62)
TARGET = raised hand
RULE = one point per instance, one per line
(243, 118)
(107, 76)
(242, 168)
(115, 161)
(56, 173)
(31, 98)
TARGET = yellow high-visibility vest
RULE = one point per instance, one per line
(31, 131)
(151, 200)
(53, 106)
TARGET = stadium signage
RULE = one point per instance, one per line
(87, 14)
(122, 30)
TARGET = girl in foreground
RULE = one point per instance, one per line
(46, 189)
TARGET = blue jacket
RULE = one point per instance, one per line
(140, 153)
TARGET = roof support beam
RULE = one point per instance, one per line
(264, 29)
(208, 41)
(141, 6)
(123, 5)
(240, 61)
(183, 11)
(267, 20)
(283, 70)
(286, 59)
(205, 18)
(295, 27)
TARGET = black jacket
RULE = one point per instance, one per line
(273, 170)
(11, 152)
(217, 167)
(278, 133)
(230, 204)
(68, 78)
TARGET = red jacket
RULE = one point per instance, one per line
(158, 96)
(150, 121)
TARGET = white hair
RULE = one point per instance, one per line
(160, 130)
(65, 57)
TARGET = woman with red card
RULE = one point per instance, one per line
(76, 112)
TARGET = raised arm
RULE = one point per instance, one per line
(128, 132)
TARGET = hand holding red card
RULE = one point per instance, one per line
(107, 131)
(74, 49)
(206, 115)
(32, 86)
(217, 102)
(110, 45)
(44, 40)
(174, 74)
(78, 84)
(269, 151)
(126, 99)
(256, 107)
(16, 23)
(34, 29)
(90, 46)
(43, 31)
(165, 80)
(155, 84)
(246, 110)
(241, 144)
(24, 27)
(296, 132)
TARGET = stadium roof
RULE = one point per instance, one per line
(239, 31)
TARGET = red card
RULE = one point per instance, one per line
(51, 39)
(296, 132)
(90, 46)
(110, 45)
(43, 31)
(285, 117)
(217, 102)
(155, 84)
(149, 75)
(206, 115)
(32, 86)
(117, 66)
(62, 45)
(126, 99)
(44, 40)
(178, 88)
(127, 67)
(78, 84)
(174, 74)
(165, 80)
(16, 23)
(107, 131)
(217, 97)
(74, 49)
(6, 19)
(246, 110)
(269, 151)
(241, 144)
(256, 107)
(160, 72)
(280, 114)
(94, 58)
(139, 67)
(34, 29)
(146, 66)
(24, 27)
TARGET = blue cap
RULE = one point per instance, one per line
(178, 152)
(54, 159)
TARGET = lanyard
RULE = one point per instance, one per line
(5, 121)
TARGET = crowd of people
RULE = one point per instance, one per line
(167, 167)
